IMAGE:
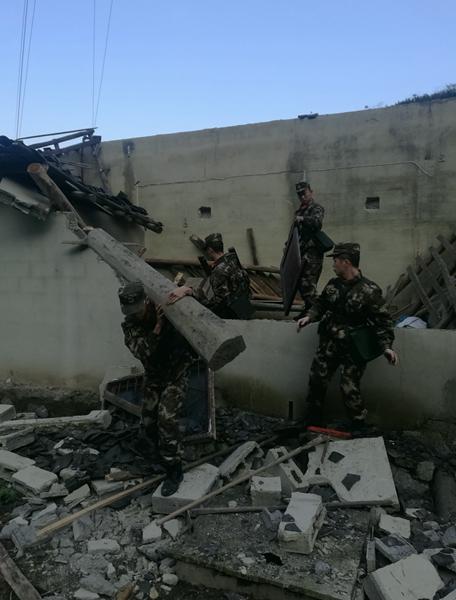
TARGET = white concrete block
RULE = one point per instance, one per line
(395, 525)
(11, 461)
(35, 479)
(17, 439)
(7, 412)
(100, 418)
(358, 471)
(413, 578)
(265, 491)
(196, 484)
(234, 460)
(301, 523)
(103, 546)
(77, 496)
(152, 533)
(290, 474)
(173, 527)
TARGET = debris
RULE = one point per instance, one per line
(45, 516)
(265, 491)
(82, 594)
(101, 487)
(23, 537)
(77, 496)
(98, 418)
(151, 533)
(195, 485)
(321, 568)
(394, 547)
(82, 528)
(20, 585)
(35, 479)
(362, 475)
(301, 523)
(444, 492)
(7, 412)
(11, 462)
(232, 463)
(449, 537)
(98, 584)
(394, 525)
(271, 519)
(425, 470)
(103, 546)
(173, 527)
(413, 578)
(57, 490)
(17, 439)
(442, 557)
(170, 579)
(290, 474)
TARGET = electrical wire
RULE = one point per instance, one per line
(21, 65)
(26, 68)
(108, 27)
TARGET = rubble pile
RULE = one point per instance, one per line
(343, 517)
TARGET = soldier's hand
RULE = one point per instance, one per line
(302, 322)
(391, 356)
(179, 293)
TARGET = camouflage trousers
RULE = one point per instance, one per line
(162, 412)
(330, 355)
(312, 265)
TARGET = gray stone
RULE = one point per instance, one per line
(68, 473)
(44, 517)
(170, 579)
(449, 537)
(102, 487)
(425, 470)
(167, 565)
(145, 501)
(173, 527)
(7, 412)
(271, 519)
(196, 483)
(10, 461)
(98, 584)
(394, 548)
(77, 495)
(103, 546)
(407, 486)
(89, 564)
(394, 525)
(321, 568)
(154, 551)
(7, 530)
(24, 536)
(234, 460)
(82, 594)
(110, 571)
(35, 479)
(152, 533)
(57, 490)
(82, 528)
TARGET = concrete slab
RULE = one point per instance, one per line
(237, 458)
(301, 523)
(413, 578)
(196, 484)
(10, 461)
(103, 546)
(358, 471)
(394, 547)
(17, 439)
(290, 474)
(101, 487)
(7, 412)
(77, 496)
(266, 491)
(43, 517)
(394, 525)
(35, 479)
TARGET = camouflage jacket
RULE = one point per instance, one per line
(347, 304)
(164, 356)
(311, 221)
(226, 283)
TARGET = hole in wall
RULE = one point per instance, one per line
(204, 212)
(372, 203)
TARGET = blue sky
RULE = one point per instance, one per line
(184, 65)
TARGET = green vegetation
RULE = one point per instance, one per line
(7, 495)
(449, 91)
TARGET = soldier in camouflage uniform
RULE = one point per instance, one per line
(348, 301)
(227, 287)
(166, 357)
(309, 220)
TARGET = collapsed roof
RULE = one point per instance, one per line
(15, 157)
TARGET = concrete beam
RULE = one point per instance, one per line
(101, 418)
(211, 337)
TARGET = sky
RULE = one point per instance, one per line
(181, 65)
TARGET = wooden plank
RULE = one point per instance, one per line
(14, 577)
(449, 281)
(438, 288)
(422, 294)
(447, 245)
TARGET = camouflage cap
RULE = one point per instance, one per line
(350, 250)
(131, 296)
(213, 237)
(302, 186)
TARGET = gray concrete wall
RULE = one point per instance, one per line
(246, 175)
(60, 319)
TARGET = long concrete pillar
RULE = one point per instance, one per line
(211, 337)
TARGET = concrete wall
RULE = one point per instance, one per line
(60, 319)
(246, 175)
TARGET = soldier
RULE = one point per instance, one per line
(166, 357)
(226, 290)
(309, 219)
(349, 302)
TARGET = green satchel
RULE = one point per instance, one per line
(364, 344)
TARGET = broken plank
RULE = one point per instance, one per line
(448, 246)
(14, 577)
(448, 280)
(422, 294)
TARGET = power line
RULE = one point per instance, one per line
(27, 68)
(104, 60)
(21, 65)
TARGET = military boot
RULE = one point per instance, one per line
(174, 476)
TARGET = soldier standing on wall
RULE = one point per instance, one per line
(226, 291)
(355, 327)
(309, 220)
(166, 357)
